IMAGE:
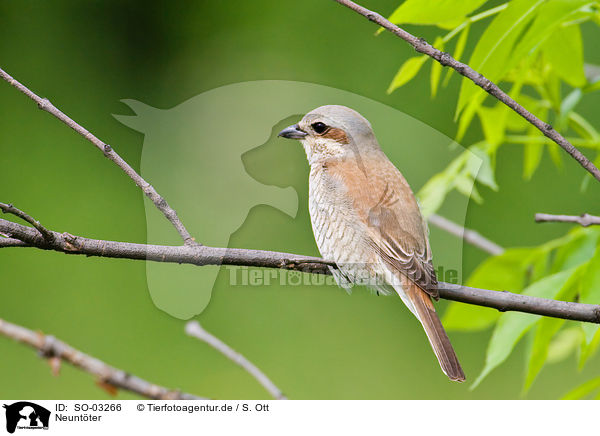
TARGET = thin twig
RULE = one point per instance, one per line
(584, 220)
(421, 46)
(110, 153)
(194, 329)
(9, 208)
(203, 255)
(470, 236)
(50, 347)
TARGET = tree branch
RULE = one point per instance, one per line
(194, 329)
(194, 255)
(50, 348)
(10, 242)
(203, 255)
(421, 46)
(507, 301)
(584, 220)
(162, 205)
(9, 208)
(470, 236)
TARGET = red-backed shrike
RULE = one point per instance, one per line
(366, 219)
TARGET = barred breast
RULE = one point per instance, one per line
(336, 227)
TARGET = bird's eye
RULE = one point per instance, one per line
(319, 127)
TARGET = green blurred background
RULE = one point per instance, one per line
(314, 342)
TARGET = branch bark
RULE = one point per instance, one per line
(421, 46)
(16, 235)
(204, 255)
(584, 220)
(50, 348)
(9, 208)
(507, 301)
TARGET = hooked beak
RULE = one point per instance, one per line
(292, 132)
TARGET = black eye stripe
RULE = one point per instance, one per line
(319, 127)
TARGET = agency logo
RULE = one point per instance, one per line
(26, 415)
(217, 158)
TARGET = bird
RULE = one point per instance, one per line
(366, 219)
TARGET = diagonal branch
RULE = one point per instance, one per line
(50, 348)
(110, 153)
(203, 255)
(470, 236)
(9, 208)
(194, 329)
(584, 220)
(44, 104)
(421, 46)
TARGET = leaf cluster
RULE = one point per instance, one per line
(534, 50)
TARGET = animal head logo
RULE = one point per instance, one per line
(196, 155)
(26, 415)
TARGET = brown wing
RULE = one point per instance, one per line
(385, 203)
(398, 232)
(399, 235)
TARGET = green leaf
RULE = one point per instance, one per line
(465, 120)
(582, 126)
(493, 122)
(548, 327)
(532, 156)
(492, 55)
(563, 345)
(466, 186)
(555, 154)
(407, 72)
(564, 51)
(591, 87)
(583, 390)
(442, 13)
(587, 350)
(479, 166)
(578, 250)
(547, 22)
(436, 68)
(552, 88)
(460, 48)
(432, 194)
(466, 317)
(503, 272)
(513, 325)
(545, 331)
(567, 106)
(590, 292)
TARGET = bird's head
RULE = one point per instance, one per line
(332, 132)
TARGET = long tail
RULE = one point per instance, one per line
(435, 332)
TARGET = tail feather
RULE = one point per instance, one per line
(435, 332)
